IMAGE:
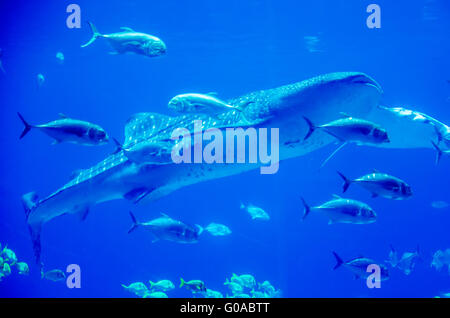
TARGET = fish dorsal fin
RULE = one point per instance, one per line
(345, 115)
(127, 29)
(165, 215)
(336, 197)
(61, 115)
(213, 94)
(374, 170)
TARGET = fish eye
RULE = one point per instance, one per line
(101, 134)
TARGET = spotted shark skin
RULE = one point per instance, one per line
(321, 99)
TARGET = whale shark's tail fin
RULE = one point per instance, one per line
(95, 34)
(30, 202)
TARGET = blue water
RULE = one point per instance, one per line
(233, 48)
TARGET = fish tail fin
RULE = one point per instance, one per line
(27, 126)
(182, 282)
(306, 210)
(95, 34)
(310, 126)
(418, 251)
(151, 284)
(438, 133)
(135, 223)
(30, 202)
(242, 206)
(438, 153)
(339, 260)
(199, 228)
(346, 182)
(118, 145)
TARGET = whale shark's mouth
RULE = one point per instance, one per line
(365, 80)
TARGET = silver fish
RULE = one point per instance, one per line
(381, 184)
(157, 294)
(340, 210)
(200, 104)
(406, 262)
(69, 130)
(410, 129)
(194, 285)
(166, 228)
(436, 127)
(162, 285)
(147, 152)
(439, 204)
(440, 259)
(40, 80)
(351, 129)
(358, 266)
(138, 288)
(255, 212)
(130, 41)
(217, 229)
(60, 57)
(55, 275)
(116, 177)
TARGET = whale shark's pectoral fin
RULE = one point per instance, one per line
(137, 194)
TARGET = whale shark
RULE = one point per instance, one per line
(320, 98)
